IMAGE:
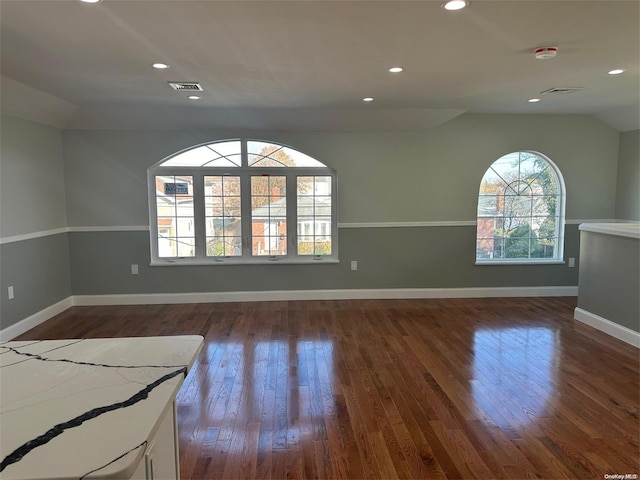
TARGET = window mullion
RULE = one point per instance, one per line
(153, 213)
(244, 154)
(199, 221)
(556, 231)
(246, 220)
(292, 214)
(334, 215)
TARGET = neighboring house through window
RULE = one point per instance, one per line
(521, 211)
(242, 201)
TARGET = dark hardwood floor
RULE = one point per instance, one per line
(456, 388)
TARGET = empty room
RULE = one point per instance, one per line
(359, 239)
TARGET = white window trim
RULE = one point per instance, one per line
(245, 173)
(558, 258)
(524, 261)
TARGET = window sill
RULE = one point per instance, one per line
(234, 261)
(520, 262)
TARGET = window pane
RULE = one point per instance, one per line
(191, 158)
(322, 206)
(232, 207)
(492, 182)
(544, 248)
(268, 215)
(305, 186)
(229, 161)
(224, 246)
(213, 206)
(184, 227)
(172, 247)
(231, 185)
(529, 167)
(485, 247)
(322, 247)
(518, 205)
(222, 185)
(225, 154)
(314, 215)
(488, 205)
(265, 154)
(323, 226)
(223, 213)
(186, 246)
(174, 209)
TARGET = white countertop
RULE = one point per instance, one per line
(86, 408)
(631, 230)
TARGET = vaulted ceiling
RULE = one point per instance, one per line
(308, 64)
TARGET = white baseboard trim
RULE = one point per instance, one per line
(607, 326)
(344, 294)
(12, 331)
(36, 319)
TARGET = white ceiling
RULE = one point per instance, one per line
(308, 64)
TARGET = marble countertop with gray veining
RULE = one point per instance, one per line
(86, 408)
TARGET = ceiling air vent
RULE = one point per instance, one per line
(563, 90)
(186, 86)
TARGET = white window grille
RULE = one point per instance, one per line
(242, 201)
(521, 211)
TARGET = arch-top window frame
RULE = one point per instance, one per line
(521, 211)
(242, 201)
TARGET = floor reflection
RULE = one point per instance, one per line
(287, 384)
(513, 373)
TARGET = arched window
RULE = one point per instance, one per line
(521, 211)
(242, 201)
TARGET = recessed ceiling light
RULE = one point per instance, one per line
(160, 65)
(533, 100)
(616, 71)
(194, 97)
(396, 69)
(455, 5)
(367, 99)
(90, 1)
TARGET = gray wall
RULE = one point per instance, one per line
(383, 177)
(405, 257)
(97, 178)
(32, 200)
(610, 278)
(628, 187)
(38, 269)
(32, 197)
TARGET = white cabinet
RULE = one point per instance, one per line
(160, 461)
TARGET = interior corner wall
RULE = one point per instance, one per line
(32, 201)
(384, 178)
(628, 186)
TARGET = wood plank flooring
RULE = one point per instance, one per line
(455, 388)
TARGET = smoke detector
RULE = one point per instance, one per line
(186, 86)
(544, 53)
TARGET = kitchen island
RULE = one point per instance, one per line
(92, 408)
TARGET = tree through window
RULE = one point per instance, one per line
(242, 201)
(520, 210)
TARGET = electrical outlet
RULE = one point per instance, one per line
(10, 292)
(572, 262)
(134, 269)
(354, 265)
